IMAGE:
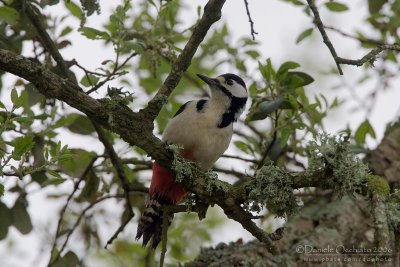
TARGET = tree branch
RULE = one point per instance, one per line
(212, 13)
(320, 26)
(115, 160)
(369, 57)
(47, 42)
(54, 52)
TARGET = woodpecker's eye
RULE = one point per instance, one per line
(229, 82)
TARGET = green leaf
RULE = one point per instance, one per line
(1, 191)
(9, 15)
(54, 174)
(18, 101)
(24, 120)
(267, 107)
(362, 131)
(254, 54)
(285, 134)
(2, 105)
(21, 218)
(267, 71)
(39, 177)
(262, 110)
(5, 221)
(93, 34)
(296, 79)
(374, 6)
(336, 6)
(296, 2)
(91, 6)
(304, 35)
(293, 102)
(76, 165)
(128, 47)
(49, 2)
(91, 186)
(74, 9)
(284, 68)
(22, 145)
(65, 31)
(81, 125)
(14, 96)
(243, 147)
(89, 80)
(70, 260)
(53, 181)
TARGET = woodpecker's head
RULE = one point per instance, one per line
(230, 91)
(229, 84)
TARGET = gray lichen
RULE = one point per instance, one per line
(332, 157)
(272, 187)
(180, 165)
(184, 170)
(393, 210)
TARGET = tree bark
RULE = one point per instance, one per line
(326, 223)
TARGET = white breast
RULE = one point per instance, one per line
(199, 133)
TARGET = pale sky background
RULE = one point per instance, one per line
(278, 25)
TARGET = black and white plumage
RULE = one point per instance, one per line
(204, 129)
(205, 126)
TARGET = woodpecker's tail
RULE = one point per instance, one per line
(151, 223)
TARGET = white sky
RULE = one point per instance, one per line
(278, 25)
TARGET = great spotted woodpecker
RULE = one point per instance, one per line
(204, 129)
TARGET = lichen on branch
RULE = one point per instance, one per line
(331, 157)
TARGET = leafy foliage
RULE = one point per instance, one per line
(38, 150)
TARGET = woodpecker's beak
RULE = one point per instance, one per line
(207, 80)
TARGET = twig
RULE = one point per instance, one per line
(47, 42)
(117, 165)
(114, 72)
(212, 13)
(239, 158)
(232, 172)
(164, 237)
(271, 144)
(52, 49)
(253, 32)
(235, 212)
(119, 230)
(369, 57)
(77, 222)
(320, 26)
(360, 39)
(134, 161)
(76, 186)
(86, 70)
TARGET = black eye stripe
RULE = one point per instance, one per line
(230, 76)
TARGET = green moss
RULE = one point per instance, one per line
(377, 185)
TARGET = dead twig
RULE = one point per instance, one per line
(252, 31)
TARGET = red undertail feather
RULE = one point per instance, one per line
(163, 191)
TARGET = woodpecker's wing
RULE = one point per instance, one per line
(181, 109)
